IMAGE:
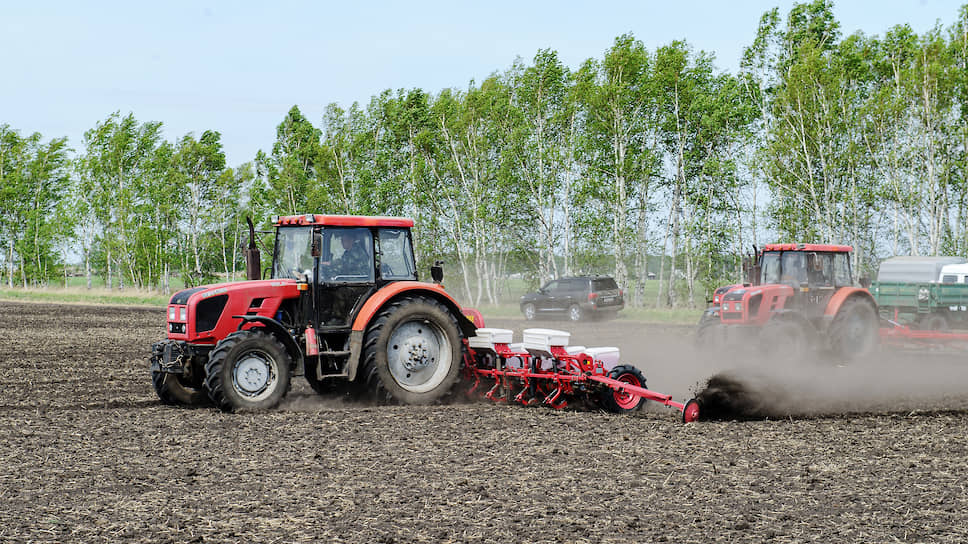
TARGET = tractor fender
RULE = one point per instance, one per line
(276, 329)
(391, 292)
(841, 296)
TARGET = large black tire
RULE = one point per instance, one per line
(710, 334)
(175, 389)
(619, 402)
(248, 370)
(934, 322)
(784, 341)
(411, 352)
(853, 331)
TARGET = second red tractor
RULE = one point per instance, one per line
(797, 298)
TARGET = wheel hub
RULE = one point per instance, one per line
(415, 355)
(252, 374)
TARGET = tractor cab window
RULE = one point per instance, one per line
(347, 255)
(770, 268)
(793, 268)
(293, 254)
(842, 276)
(828, 269)
(396, 255)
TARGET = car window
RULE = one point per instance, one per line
(552, 286)
(569, 285)
(604, 284)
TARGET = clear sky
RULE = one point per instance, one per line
(238, 66)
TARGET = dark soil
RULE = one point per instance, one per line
(863, 453)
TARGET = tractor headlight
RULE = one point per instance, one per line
(924, 294)
(737, 306)
(725, 307)
(171, 313)
(183, 314)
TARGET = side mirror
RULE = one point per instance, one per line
(317, 247)
(437, 271)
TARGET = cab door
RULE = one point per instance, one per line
(341, 292)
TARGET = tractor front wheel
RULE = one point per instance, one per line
(784, 341)
(175, 389)
(411, 352)
(248, 370)
(711, 334)
(619, 401)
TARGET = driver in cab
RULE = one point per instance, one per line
(355, 260)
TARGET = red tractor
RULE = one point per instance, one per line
(343, 307)
(797, 296)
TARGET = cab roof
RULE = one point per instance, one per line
(342, 220)
(830, 248)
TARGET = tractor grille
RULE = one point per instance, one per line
(732, 315)
(208, 311)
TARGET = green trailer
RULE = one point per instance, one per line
(908, 292)
(926, 306)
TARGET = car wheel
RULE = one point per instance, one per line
(528, 311)
(575, 312)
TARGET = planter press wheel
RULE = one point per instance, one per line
(691, 411)
(619, 401)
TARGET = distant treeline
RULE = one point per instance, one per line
(540, 170)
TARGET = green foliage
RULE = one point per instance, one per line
(637, 162)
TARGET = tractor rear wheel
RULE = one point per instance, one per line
(248, 370)
(853, 331)
(175, 389)
(621, 402)
(411, 352)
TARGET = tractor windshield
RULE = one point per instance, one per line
(293, 255)
(770, 268)
(795, 268)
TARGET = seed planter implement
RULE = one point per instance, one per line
(544, 369)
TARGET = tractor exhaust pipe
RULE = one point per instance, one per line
(253, 261)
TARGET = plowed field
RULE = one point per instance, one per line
(871, 452)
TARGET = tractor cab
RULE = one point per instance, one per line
(800, 277)
(342, 260)
(805, 267)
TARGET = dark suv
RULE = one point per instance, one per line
(575, 297)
